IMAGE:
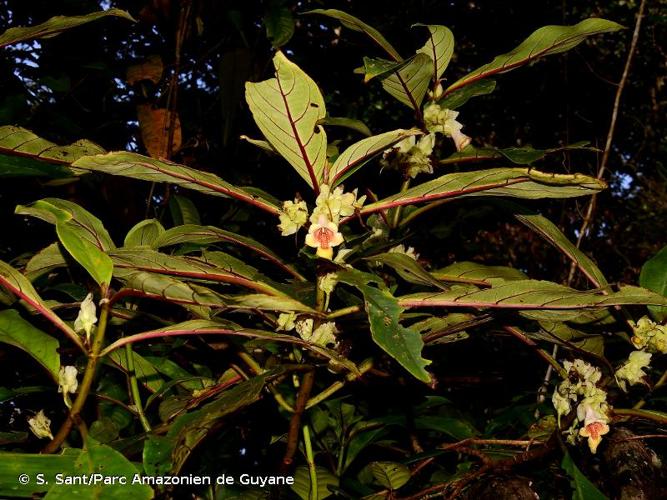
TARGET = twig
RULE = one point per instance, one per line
(295, 422)
(134, 389)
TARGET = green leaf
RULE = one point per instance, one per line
(391, 475)
(531, 294)
(521, 156)
(403, 344)
(15, 282)
(550, 232)
(582, 488)
(654, 277)
(325, 479)
(279, 23)
(288, 109)
(136, 166)
(86, 225)
(410, 83)
(439, 47)
(407, 268)
(144, 369)
(183, 211)
(356, 24)
(55, 26)
(376, 67)
(513, 182)
(477, 274)
(267, 303)
(204, 235)
(12, 465)
(144, 234)
(349, 123)
(451, 426)
(16, 331)
(357, 155)
(92, 259)
(45, 261)
(24, 154)
(543, 42)
(101, 459)
(459, 97)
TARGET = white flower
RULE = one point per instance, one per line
(286, 321)
(411, 155)
(409, 251)
(293, 216)
(87, 318)
(328, 282)
(632, 370)
(40, 425)
(443, 120)
(67, 383)
(324, 335)
(324, 235)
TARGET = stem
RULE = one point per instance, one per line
(310, 458)
(258, 370)
(661, 381)
(343, 312)
(134, 388)
(519, 335)
(397, 211)
(336, 386)
(295, 421)
(86, 383)
(645, 414)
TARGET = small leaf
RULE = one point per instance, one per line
(654, 277)
(136, 166)
(42, 347)
(377, 67)
(356, 24)
(407, 268)
(459, 97)
(325, 480)
(143, 369)
(288, 109)
(55, 26)
(144, 234)
(391, 475)
(154, 124)
(583, 489)
(45, 261)
(360, 153)
(439, 47)
(543, 42)
(349, 123)
(183, 211)
(279, 23)
(410, 83)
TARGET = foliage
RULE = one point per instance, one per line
(178, 332)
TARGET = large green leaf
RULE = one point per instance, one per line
(42, 347)
(582, 487)
(46, 260)
(144, 234)
(355, 156)
(550, 232)
(545, 41)
(407, 268)
(204, 235)
(459, 97)
(356, 24)
(144, 259)
(513, 182)
(15, 282)
(403, 344)
(410, 83)
(136, 166)
(92, 259)
(55, 26)
(532, 294)
(477, 274)
(52, 210)
(146, 373)
(439, 47)
(12, 465)
(654, 277)
(525, 155)
(23, 154)
(287, 109)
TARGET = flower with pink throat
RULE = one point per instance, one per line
(595, 426)
(324, 235)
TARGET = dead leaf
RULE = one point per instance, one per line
(154, 124)
(151, 69)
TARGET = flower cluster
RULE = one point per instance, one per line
(411, 155)
(443, 120)
(650, 336)
(330, 207)
(632, 371)
(580, 389)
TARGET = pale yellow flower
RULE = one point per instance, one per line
(40, 425)
(67, 382)
(443, 120)
(293, 216)
(632, 370)
(324, 235)
(595, 425)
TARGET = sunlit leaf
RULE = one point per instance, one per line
(55, 26)
(357, 155)
(459, 97)
(543, 42)
(136, 166)
(287, 109)
(439, 47)
(410, 83)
